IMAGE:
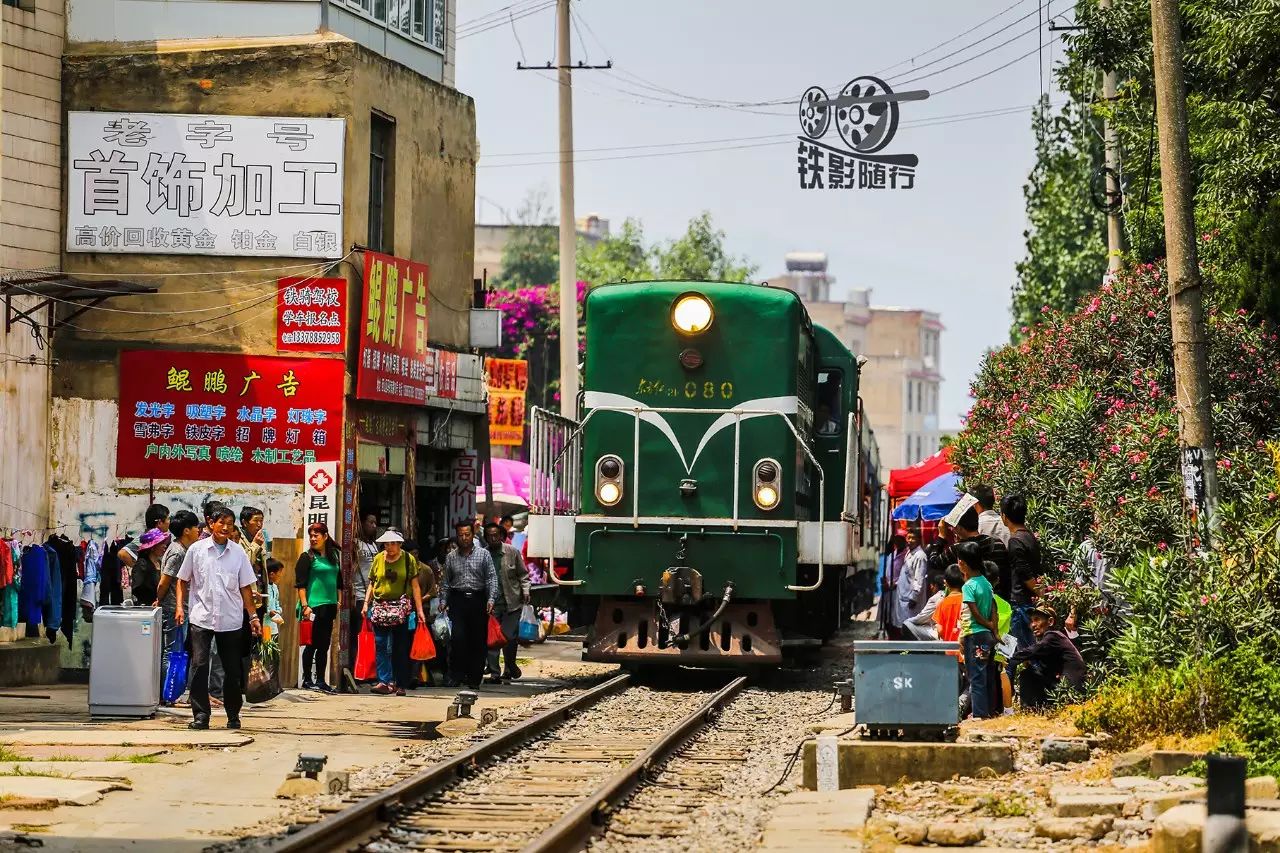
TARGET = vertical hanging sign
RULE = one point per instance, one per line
(320, 496)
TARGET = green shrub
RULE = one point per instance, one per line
(1184, 701)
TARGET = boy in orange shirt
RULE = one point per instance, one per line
(948, 613)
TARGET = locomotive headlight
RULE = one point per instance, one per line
(609, 480)
(692, 314)
(766, 497)
(765, 489)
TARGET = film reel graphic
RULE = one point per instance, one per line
(865, 113)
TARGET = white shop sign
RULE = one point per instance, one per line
(171, 184)
(320, 496)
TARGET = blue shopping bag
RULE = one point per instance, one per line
(175, 680)
(528, 625)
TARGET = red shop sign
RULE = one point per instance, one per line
(311, 315)
(393, 363)
(227, 417)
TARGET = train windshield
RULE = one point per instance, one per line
(829, 417)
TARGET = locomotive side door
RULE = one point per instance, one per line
(830, 424)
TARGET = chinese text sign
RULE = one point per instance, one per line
(507, 380)
(465, 474)
(311, 314)
(163, 183)
(227, 417)
(393, 364)
(320, 495)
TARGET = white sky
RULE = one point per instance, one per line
(949, 245)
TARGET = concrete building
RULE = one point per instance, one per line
(900, 381)
(491, 241)
(373, 148)
(30, 238)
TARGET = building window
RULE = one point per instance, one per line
(420, 20)
(909, 397)
(920, 397)
(382, 149)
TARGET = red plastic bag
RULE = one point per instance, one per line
(366, 668)
(304, 632)
(423, 648)
(497, 639)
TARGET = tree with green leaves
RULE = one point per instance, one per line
(617, 257)
(531, 255)
(1066, 233)
(700, 255)
(1232, 60)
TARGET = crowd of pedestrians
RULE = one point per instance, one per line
(979, 583)
(217, 588)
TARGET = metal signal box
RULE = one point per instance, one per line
(906, 686)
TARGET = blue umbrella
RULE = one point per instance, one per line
(931, 501)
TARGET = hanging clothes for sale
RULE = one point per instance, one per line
(68, 561)
(8, 586)
(92, 568)
(111, 589)
(6, 564)
(53, 610)
(35, 588)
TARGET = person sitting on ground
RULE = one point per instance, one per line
(1049, 663)
(922, 626)
(991, 549)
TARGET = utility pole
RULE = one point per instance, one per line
(1111, 146)
(1186, 304)
(568, 223)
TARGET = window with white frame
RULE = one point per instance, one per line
(418, 20)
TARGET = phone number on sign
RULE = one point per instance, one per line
(311, 337)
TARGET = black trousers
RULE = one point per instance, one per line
(469, 643)
(231, 651)
(1034, 687)
(321, 635)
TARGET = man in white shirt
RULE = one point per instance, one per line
(922, 626)
(989, 521)
(217, 581)
(911, 584)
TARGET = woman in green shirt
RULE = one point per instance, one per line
(316, 578)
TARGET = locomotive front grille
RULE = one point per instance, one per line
(632, 632)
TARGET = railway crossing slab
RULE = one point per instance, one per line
(867, 762)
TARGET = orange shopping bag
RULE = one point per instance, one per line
(366, 668)
(423, 648)
(497, 639)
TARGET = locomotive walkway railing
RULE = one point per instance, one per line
(571, 448)
(551, 435)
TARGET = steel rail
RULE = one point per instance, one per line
(571, 832)
(342, 829)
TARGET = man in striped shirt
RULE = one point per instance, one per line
(468, 590)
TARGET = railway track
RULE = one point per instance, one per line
(544, 784)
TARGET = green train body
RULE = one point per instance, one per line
(681, 554)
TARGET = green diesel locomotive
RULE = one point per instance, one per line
(719, 495)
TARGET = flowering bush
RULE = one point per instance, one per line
(1080, 418)
(530, 314)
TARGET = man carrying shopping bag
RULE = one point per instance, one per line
(513, 595)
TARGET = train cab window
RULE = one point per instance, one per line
(828, 416)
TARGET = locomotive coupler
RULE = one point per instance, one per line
(705, 626)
